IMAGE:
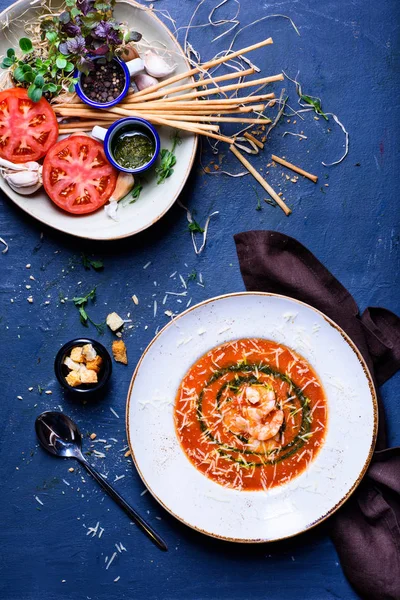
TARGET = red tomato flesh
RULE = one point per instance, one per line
(27, 129)
(77, 175)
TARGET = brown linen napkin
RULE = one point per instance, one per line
(366, 530)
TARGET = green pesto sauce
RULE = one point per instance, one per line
(133, 149)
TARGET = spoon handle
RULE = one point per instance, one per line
(158, 541)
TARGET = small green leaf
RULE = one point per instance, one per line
(29, 76)
(11, 53)
(51, 36)
(194, 227)
(26, 68)
(26, 45)
(61, 62)
(69, 67)
(19, 74)
(83, 315)
(75, 12)
(7, 62)
(34, 93)
(38, 81)
(316, 103)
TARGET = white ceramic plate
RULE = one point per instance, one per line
(155, 199)
(282, 511)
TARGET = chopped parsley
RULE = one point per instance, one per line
(88, 263)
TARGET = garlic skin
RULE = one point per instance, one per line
(23, 178)
(156, 65)
(128, 53)
(144, 81)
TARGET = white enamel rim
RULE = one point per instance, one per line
(155, 200)
(161, 462)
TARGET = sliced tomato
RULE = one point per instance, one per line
(77, 175)
(27, 129)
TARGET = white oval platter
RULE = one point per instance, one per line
(256, 516)
(154, 200)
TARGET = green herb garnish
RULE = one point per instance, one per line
(80, 302)
(168, 160)
(194, 227)
(88, 263)
(192, 276)
(315, 103)
(135, 193)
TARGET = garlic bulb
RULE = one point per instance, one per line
(144, 81)
(23, 178)
(156, 65)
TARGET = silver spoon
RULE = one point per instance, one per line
(60, 436)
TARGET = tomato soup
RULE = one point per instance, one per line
(251, 414)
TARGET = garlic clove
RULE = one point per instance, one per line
(124, 185)
(156, 65)
(144, 81)
(22, 178)
(25, 191)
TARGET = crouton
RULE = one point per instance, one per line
(94, 365)
(71, 364)
(88, 376)
(89, 352)
(114, 321)
(76, 354)
(73, 379)
(119, 351)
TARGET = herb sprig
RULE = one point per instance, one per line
(80, 302)
(168, 160)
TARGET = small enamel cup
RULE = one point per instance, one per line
(130, 69)
(107, 135)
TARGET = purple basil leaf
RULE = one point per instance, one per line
(76, 45)
(63, 48)
(71, 29)
(85, 6)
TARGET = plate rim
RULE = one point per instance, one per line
(187, 173)
(371, 385)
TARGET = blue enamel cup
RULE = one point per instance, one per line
(130, 69)
(133, 123)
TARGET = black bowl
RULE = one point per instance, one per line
(62, 370)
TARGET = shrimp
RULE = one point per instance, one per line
(235, 422)
(267, 430)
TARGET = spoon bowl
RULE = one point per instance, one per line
(60, 436)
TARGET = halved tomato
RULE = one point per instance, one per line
(27, 129)
(77, 175)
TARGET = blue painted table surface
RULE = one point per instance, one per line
(346, 54)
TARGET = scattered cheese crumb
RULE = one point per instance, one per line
(30, 299)
(127, 453)
(114, 321)
(71, 469)
(48, 392)
(135, 299)
(93, 436)
(28, 266)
